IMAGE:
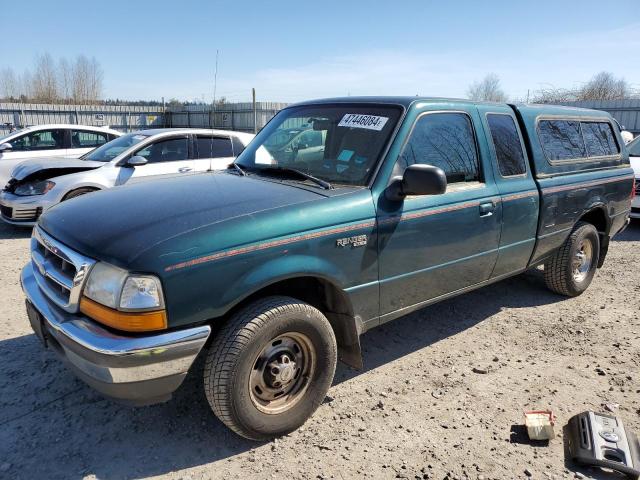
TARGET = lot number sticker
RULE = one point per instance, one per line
(370, 122)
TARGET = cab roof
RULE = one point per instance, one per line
(407, 102)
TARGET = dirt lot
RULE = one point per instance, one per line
(418, 410)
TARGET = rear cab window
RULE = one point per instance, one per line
(507, 144)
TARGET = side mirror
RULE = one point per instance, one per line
(136, 161)
(4, 147)
(418, 179)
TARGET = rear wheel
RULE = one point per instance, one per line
(570, 271)
(270, 367)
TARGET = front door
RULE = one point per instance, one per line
(430, 246)
(165, 157)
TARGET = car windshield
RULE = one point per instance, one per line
(110, 150)
(3, 138)
(340, 144)
(634, 147)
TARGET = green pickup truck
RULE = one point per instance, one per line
(272, 269)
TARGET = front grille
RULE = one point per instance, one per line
(637, 186)
(59, 271)
(25, 214)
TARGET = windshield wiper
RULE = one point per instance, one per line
(239, 169)
(318, 181)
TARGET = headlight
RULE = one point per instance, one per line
(123, 300)
(141, 293)
(116, 288)
(34, 188)
(104, 284)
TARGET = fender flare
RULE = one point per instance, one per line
(346, 325)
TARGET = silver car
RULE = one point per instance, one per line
(39, 184)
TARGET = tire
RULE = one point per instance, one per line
(562, 272)
(247, 367)
(77, 193)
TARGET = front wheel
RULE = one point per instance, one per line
(270, 367)
(570, 271)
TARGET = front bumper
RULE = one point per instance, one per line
(23, 211)
(139, 370)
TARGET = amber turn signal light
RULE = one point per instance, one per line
(127, 321)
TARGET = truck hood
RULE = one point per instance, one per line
(120, 224)
(49, 167)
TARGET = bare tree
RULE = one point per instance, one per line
(488, 89)
(605, 86)
(86, 80)
(9, 87)
(45, 79)
(554, 95)
(65, 79)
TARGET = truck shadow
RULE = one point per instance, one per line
(54, 426)
(427, 326)
(8, 231)
(631, 234)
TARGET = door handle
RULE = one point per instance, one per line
(486, 209)
(184, 169)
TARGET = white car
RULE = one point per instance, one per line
(61, 140)
(37, 185)
(634, 157)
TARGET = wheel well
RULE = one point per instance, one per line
(598, 219)
(86, 189)
(332, 301)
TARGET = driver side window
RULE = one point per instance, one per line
(171, 150)
(39, 140)
(444, 140)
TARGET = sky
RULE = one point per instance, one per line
(295, 50)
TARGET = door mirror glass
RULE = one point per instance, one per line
(4, 147)
(137, 161)
(418, 179)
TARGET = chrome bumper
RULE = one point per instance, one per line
(140, 370)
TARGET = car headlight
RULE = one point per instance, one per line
(34, 188)
(123, 300)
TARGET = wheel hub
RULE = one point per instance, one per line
(281, 372)
(582, 261)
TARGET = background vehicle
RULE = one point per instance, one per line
(634, 158)
(59, 140)
(39, 184)
(283, 263)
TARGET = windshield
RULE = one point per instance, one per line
(634, 147)
(339, 144)
(110, 150)
(3, 138)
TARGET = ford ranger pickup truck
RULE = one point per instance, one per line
(272, 269)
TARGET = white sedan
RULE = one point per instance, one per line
(61, 140)
(37, 185)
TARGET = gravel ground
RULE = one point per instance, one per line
(418, 410)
